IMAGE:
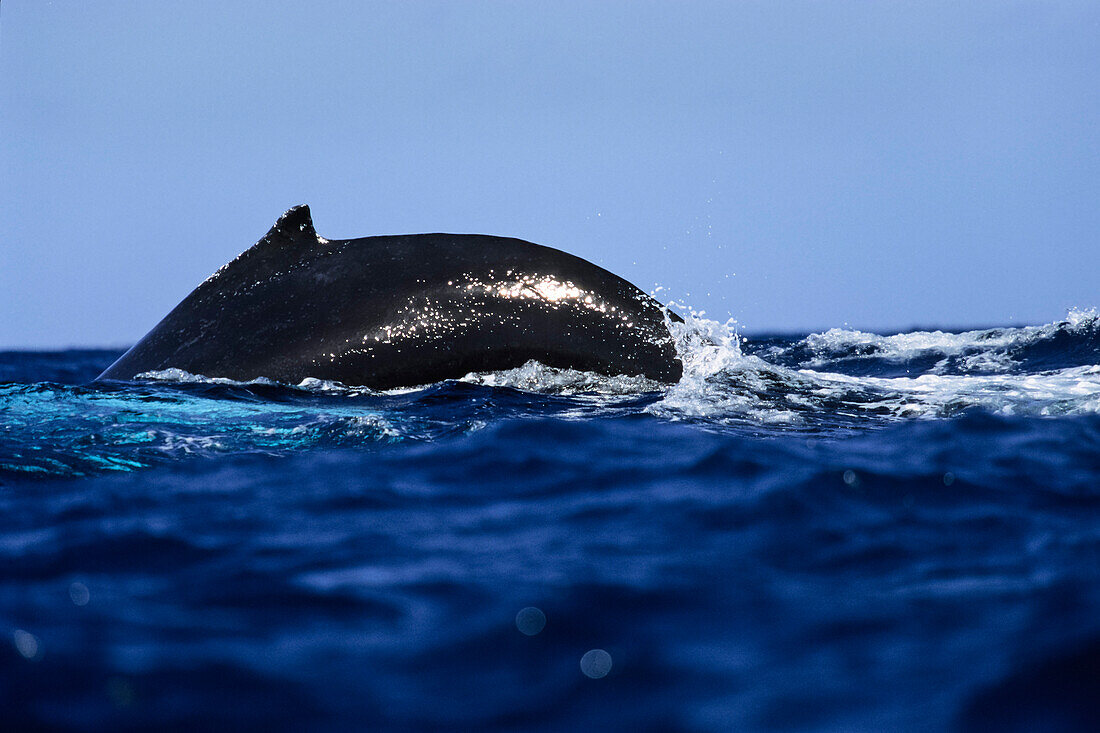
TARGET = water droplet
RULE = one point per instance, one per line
(530, 620)
(850, 478)
(596, 663)
(79, 594)
(25, 643)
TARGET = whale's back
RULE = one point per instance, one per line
(403, 310)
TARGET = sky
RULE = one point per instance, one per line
(794, 166)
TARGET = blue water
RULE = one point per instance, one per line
(822, 532)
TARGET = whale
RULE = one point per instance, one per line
(385, 312)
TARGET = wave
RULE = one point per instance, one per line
(53, 429)
(842, 378)
(804, 383)
(835, 383)
(1073, 341)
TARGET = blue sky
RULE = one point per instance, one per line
(794, 166)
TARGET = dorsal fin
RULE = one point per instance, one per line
(293, 227)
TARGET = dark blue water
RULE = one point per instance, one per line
(830, 532)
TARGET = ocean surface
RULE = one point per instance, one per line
(836, 531)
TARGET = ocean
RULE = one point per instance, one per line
(835, 531)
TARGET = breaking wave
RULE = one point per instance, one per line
(842, 377)
(1074, 341)
(832, 382)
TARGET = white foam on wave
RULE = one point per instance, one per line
(987, 350)
(182, 376)
(537, 377)
(280, 424)
(1071, 391)
(309, 384)
(721, 383)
